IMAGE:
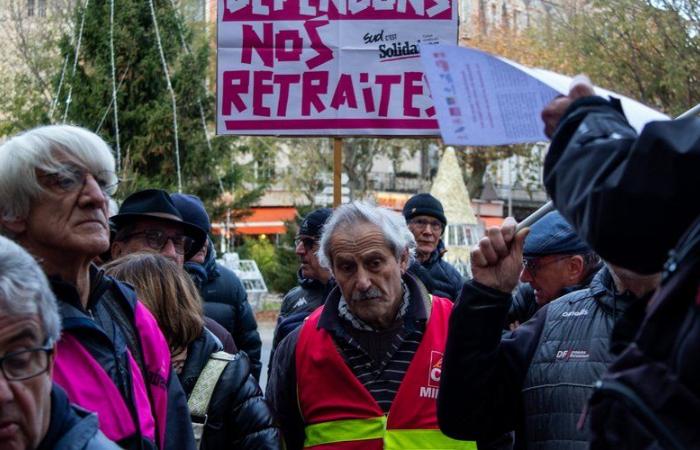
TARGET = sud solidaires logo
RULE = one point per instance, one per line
(434, 372)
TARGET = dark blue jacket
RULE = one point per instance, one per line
(438, 276)
(226, 301)
(72, 428)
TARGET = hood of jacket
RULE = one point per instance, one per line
(210, 262)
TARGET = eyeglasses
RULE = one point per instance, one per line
(156, 240)
(71, 178)
(535, 264)
(25, 364)
(308, 242)
(435, 225)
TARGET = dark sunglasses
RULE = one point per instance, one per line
(308, 242)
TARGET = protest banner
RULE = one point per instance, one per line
(327, 67)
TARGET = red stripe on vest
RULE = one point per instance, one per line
(328, 390)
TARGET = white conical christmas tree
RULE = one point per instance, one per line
(463, 228)
(449, 188)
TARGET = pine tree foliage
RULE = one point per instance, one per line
(145, 116)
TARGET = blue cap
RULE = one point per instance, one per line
(552, 235)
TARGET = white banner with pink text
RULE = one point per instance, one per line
(328, 67)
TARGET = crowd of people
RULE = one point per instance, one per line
(119, 329)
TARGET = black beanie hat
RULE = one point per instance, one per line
(314, 221)
(424, 205)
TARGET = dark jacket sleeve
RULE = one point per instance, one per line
(178, 432)
(482, 372)
(524, 305)
(285, 325)
(281, 391)
(629, 197)
(288, 301)
(245, 420)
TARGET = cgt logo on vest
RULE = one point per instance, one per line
(434, 372)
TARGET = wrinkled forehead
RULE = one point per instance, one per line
(19, 329)
(93, 160)
(357, 240)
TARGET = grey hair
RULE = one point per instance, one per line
(38, 148)
(392, 224)
(24, 289)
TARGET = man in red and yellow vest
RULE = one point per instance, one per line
(363, 371)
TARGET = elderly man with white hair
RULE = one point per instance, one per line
(363, 371)
(55, 183)
(34, 413)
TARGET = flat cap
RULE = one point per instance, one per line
(552, 235)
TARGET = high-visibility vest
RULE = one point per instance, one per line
(341, 414)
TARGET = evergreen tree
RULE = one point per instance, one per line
(144, 103)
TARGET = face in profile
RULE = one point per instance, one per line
(25, 383)
(305, 248)
(549, 275)
(69, 217)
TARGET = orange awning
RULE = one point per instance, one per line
(265, 220)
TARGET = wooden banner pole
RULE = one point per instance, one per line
(337, 171)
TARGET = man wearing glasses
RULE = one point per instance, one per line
(556, 261)
(426, 220)
(315, 281)
(55, 184)
(34, 413)
(149, 221)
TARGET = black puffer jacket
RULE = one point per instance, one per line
(226, 301)
(600, 174)
(438, 276)
(308, 296)
(238, 415)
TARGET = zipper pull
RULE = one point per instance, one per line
(670, 266)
